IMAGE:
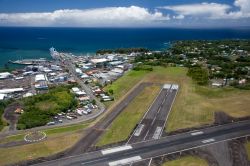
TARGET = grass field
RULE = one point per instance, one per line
(124, 124)
(194, 105)
(50, 132)
(41, 149)
(187, 161)
(247, 145)
(121, 86)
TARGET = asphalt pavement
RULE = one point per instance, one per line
(154, 148)
(153, 123)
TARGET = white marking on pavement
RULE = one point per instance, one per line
(125, 161)
(150, 162)
(146, 113)
(116, 149)
(146, 135)
(153, 121)
(166, 86)
(139, 129)
(157, 133)
(197, 133)
(175, 86)
(208, 140)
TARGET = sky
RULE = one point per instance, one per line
(125, 13)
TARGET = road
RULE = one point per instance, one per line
(153, 148)
(71, 67)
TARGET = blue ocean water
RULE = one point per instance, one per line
(21, 43)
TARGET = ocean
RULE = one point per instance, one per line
(23, 43)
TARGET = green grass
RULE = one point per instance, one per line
(65, 129)
(40, 149)
(194, 105)
(50, 132)
(124, 124)
(121, 86)
(187, 161)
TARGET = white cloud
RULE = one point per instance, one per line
(179, 17)
(213, 10)
(210, 10)
(110, 16)
(244, 9)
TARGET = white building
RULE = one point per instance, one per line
(2, 96)
(5, 75)
(13, 90)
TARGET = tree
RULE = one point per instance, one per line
(111, 91)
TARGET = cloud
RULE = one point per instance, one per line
(244, 9)
(109, 16)
(209, 10)
(213, 10)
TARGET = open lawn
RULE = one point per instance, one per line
(121, 86)
(194, 105)
(187, 161)
(41, 149)
(124, 124)
(50, 132)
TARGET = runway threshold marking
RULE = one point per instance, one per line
(116, 149)
(125, 161)
(139, 130)
(208, 140)
(157, 133)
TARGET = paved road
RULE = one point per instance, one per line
(154, 148)
(93, 134)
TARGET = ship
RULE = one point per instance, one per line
(54, 54)
(29, 61)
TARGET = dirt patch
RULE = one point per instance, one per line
(10, 115)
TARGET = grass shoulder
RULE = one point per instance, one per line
(187, 161)
(49, 132)
(124, 124)
(40, 149)
(247, 146)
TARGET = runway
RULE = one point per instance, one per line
(153, 123)
(97, 130)
(153, 148)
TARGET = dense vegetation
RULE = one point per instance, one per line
(199, 75)
(3, 105)
(225, 59)
(122, 51)
(39, 109)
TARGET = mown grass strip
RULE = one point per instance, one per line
(187, 161)
(124, 124)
